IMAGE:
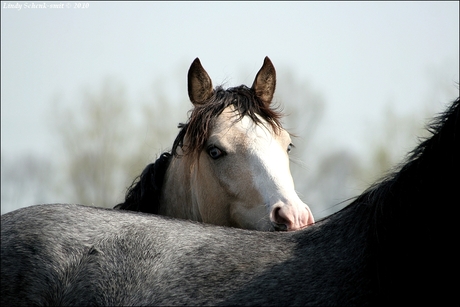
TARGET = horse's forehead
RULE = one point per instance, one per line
(230, 125)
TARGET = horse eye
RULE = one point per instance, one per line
(215, 152)
(290, 146)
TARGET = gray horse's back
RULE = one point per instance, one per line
(77, 255)
(44, 249)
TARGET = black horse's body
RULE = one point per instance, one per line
(395, 244)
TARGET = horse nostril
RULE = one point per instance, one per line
(279, 222)
(291, 217)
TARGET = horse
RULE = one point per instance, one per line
(395, 243)
(229, 164)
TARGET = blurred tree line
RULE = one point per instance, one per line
(107, 140)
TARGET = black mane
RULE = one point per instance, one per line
(145, 192)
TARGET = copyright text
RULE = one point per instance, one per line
(44, 5)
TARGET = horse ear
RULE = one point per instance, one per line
(199, 84)
(265, 82)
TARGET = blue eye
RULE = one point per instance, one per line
(214, 152)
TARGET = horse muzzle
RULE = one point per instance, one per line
(289, 217)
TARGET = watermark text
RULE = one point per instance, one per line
(44, 5)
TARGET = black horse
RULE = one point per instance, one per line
(394, 244)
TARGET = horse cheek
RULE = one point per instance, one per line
(210, 196)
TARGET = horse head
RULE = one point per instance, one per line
(235, 157)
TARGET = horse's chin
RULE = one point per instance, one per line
(259, 225)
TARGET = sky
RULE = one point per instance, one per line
(361, 57)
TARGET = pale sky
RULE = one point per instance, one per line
(358, 55)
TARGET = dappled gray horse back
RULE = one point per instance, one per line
(395, 243)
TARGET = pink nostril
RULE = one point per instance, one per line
(281, 221)
(288, 217)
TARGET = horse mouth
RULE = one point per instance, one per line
(280, 227)
(283, 227)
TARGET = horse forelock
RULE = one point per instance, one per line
(202, 118)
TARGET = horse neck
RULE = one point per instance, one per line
(177, 200)
(400, 232)
(413, 218)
